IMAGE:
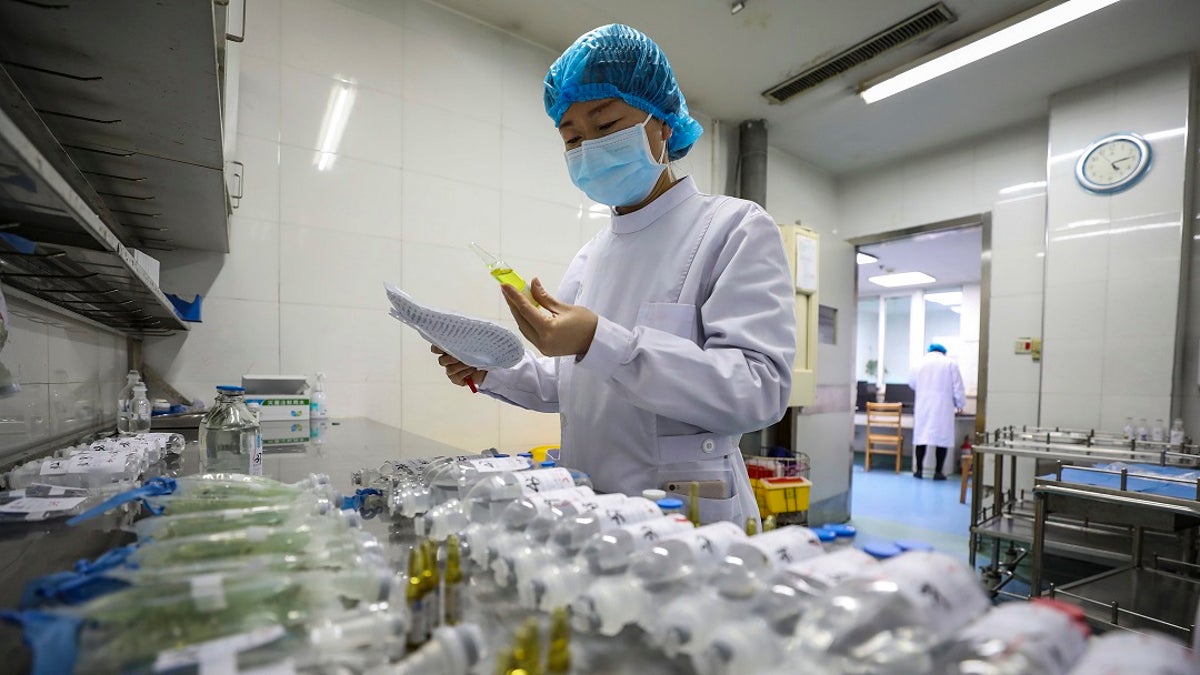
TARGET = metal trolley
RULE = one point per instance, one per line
(1108, 516)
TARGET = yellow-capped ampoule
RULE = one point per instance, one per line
(558, 660)
(453, 581)
(418, 630)
(430, 576)
(694, 504)
(751, 526)
(503, 272)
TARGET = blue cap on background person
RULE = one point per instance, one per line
(617, 61)
(936, 347)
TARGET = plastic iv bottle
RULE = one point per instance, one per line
(502, 271)
(1129, 429)
(516, 517)
(1177, 435)
(1039, 637)
(889, 623)
(665, 571)
(318, 406)
(124, 403)
(1158, 433)
(139, 410)
(1143, 434)
(531, 549)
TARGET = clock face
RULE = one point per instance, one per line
(1113, 163)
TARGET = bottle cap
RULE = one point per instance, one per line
(882, 550)
(229, 388)
(525, 454)
(825, 535)
(913, 545)
(670, 504)
(843, 530)
(549, 464)
(654, 494)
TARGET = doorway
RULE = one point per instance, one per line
(924, 285)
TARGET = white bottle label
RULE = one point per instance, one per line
(545, 480)
(93, 462)
(54, 467)
(632, 510)
(214, 654)
(41, 504)
(654, 530)
(1120, 652)
(834, 568)
(497, 464)
(787, 545)
(709, 543)
(596, 502)
(943, 588)
(1043, 634)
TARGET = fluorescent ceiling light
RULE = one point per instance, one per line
(337, 114)
(901, 279)
(1043, 18)
(865, 258)
(947, 298)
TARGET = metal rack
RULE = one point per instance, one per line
(1112, 526)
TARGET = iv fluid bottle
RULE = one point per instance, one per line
(228, 434)
(889, 624)
(1128, 430)
(1177, 435)
(1143, 433)
(1018, 638)
(1158, 433)
(139, 410)
(502, 271)
(124, 401)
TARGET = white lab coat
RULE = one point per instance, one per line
(694, 347)
(939, 388)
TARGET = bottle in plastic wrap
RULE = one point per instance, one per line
(669, 568)
(83, 469)
(606, 556)
(686, 624)
(890, 623)
(516, 517)
(534, 548)
(1122, 653)
(1039, 637)
(124, 403)
(451, 651)
(283, 514)
(484, 501)
(229, 434)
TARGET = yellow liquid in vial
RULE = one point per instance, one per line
(505, 275)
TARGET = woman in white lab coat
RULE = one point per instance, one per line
(939, 390)
(673, 332)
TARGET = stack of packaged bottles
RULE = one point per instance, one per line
(520, 570)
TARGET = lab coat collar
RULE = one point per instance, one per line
(645, 216)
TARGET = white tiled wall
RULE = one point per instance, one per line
(1112, 279)
(447, 142)
(69, 371)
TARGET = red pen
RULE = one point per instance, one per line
(471, 384)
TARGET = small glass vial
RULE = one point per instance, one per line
(670, 505)
(828, 538)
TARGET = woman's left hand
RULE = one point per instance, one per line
(561, 330)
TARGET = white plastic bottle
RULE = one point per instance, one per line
(1177, 435)
(1039, 637)
(1128, 430)
(1143, 433)
(124, 403)
(1158, 433)
(532, 550)
(318, 405)
(889, 624)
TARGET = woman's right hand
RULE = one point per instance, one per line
(456, 370)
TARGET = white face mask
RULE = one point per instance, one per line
(619, 169)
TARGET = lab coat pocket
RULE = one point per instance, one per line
(676, 318)
(701, 458)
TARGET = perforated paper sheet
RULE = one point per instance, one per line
(475, 342)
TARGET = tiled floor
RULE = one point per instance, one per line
(888, 506)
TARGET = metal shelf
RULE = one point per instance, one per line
(80, 263)
(1065, 539)
(1137, 599)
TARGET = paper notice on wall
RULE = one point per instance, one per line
(806, 264)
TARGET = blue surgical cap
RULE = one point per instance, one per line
(617, 61)
(935, 347)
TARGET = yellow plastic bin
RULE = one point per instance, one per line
(543, 452)
(781, 494)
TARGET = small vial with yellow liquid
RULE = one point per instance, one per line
(503, 272)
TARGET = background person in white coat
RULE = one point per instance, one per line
(673, 332)
(940, 394)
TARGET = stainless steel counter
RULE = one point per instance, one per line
(32, 550)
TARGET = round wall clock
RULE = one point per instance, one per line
(1113, 163)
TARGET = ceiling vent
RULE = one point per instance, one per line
(920, 24)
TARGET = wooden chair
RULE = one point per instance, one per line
(966, 468)
(885, 416)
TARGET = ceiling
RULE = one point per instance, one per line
(953, 257)
(724, 62)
